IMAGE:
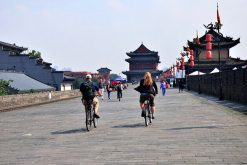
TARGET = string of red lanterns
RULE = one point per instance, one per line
(209, 46)
(208, 50)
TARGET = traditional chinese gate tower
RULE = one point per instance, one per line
(142, 60)
(221, 46)
(104, 73)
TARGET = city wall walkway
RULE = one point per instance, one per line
(188, 129)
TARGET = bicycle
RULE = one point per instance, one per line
(91, 120)
(148, 115)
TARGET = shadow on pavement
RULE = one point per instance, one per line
(184, 128)
(81, 130)
(129, 125)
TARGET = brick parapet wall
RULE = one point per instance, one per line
(234, 84)
(11, 102)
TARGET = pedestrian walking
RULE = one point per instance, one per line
(119, 90)
(108, 89)
(163, 87)
(101, 88)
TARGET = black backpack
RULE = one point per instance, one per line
(87, 89)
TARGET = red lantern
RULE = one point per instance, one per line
(208, 37)
(182, 63)
(191, 52)
(209, 54)
(191, 58)
(192, 63)
(209, 46)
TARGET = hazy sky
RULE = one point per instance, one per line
(85, 35)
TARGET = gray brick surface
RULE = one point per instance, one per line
(188, 129)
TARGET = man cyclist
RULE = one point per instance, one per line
(89, 92)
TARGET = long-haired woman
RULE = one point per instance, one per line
(148, 91)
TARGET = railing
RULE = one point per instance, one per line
(234, 84)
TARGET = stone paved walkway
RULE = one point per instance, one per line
(188, 129)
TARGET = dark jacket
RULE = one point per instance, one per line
(152, 89)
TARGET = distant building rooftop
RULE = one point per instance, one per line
(23, 83)
(12, 46)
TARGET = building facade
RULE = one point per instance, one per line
(140, 61)
(13, 58)
(104, 73)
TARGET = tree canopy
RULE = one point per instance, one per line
(34, 54)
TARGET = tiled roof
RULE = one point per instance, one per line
(22, 82)
(142, 49)
(12, 46)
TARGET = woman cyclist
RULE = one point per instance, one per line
(148, 90)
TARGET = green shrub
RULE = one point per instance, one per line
(4, 87)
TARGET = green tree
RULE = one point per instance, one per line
(4, 87)
(34, 54)
(77, 83)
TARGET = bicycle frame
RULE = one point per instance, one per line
(148, 113)
(90, 118)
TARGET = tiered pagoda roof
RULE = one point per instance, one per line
(142, 50)
(142, 53)
(140, 61)
(104, 69)
(225, 42)
(219, 41)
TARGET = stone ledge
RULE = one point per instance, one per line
(12, 102)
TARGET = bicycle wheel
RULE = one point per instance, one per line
(150, 115)
(146, 115)
(89, 118)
